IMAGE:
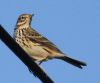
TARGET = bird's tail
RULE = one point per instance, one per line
(74, 62)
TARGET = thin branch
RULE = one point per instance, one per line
(23, 56)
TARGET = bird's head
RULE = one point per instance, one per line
(24, 20)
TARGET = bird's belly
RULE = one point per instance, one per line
(36, 52)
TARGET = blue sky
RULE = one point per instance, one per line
(73, 25)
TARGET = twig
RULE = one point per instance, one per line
(23, 56)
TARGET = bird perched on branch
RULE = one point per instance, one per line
(37, 46)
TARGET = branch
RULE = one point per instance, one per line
(23, 56)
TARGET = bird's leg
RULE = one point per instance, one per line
(46, 59)
(40, 62)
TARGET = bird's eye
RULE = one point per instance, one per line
(22, 17)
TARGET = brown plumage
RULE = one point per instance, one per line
(38, 47)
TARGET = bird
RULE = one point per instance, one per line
(38, 47)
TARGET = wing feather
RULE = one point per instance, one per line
(33, 35)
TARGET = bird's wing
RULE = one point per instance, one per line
(38, 38)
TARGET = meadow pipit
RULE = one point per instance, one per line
(38, 47)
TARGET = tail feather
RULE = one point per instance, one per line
(74, 62)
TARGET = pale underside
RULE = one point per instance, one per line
(37, 47)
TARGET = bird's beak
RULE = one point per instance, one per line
(32, 15)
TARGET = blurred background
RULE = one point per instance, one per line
(73, 25)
